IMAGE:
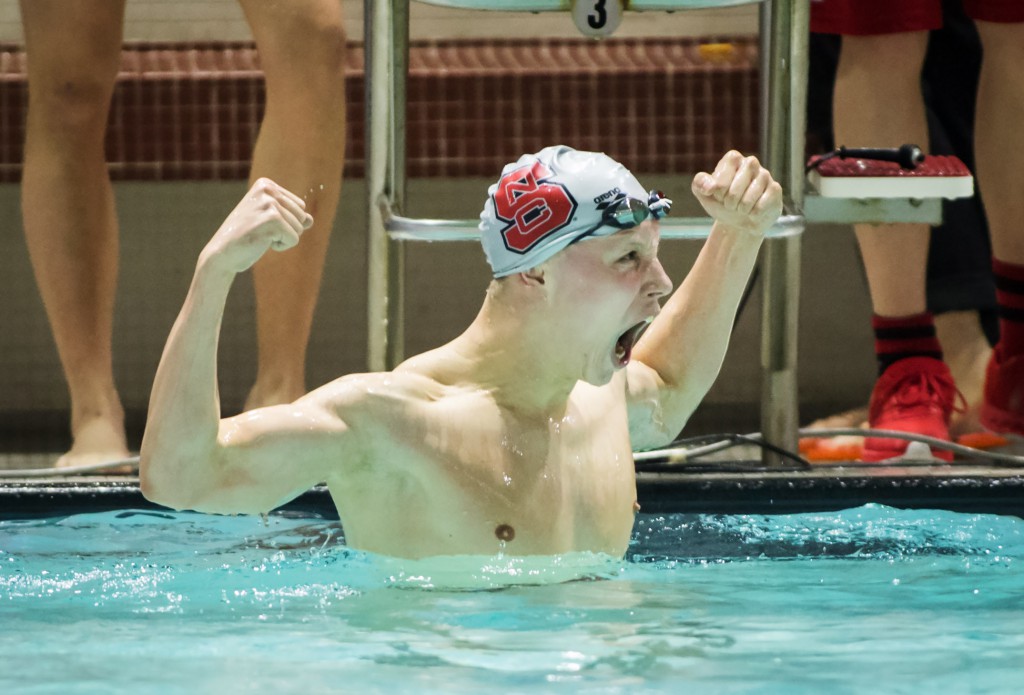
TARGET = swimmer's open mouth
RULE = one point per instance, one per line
(624, 345)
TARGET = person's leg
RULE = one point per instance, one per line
(67, 204)
(999, 138)
(878, 103)
(960, 290)
(999, 142)
(301, 146)
(966, 350)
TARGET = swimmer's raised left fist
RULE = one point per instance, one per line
(740, 194)
(269, 216)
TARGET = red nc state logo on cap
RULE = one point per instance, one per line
(532, 206)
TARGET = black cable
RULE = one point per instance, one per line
(703, 445)
(907, 156)
(684, 450)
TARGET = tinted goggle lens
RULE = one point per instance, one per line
(626, 213)
(629, 212)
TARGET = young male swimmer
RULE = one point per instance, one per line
(518, 432)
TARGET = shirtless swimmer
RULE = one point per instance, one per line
(521, 430)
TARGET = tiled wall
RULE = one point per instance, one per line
(188, 105)
(192, 111)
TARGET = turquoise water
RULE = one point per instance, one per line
(868, 600)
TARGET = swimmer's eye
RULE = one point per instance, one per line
(631, 257)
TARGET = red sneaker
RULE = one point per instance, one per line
(917, 395)
(1002, 410)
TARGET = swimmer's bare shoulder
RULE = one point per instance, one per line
(376, 401)
(390, 417)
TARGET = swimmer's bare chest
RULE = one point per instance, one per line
(471, 479)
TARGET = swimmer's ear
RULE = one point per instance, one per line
(533, 276)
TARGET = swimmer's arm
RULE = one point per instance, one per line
(678, 358)
(255, 461)
(189, 458)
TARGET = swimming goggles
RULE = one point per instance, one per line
(624, 212)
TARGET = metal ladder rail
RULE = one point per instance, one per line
(784, 27)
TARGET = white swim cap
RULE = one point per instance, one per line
(545, 201)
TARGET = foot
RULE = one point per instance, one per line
(853, 418)
(842, 448)
(967, 354)
(97, 440)
(1003, 408)
(915, 395)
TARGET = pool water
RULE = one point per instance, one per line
(867, 600)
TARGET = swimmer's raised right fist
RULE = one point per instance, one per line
(740, 194)
(267, 217)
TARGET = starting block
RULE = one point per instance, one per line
(853, 190)
(935, 177)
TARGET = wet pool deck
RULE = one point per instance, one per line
(724, 486)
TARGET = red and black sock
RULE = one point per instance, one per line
(1010, 297)
(899, 337)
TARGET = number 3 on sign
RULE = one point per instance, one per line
(597, 17)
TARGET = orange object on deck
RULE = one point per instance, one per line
(830, 449)
(982, 440)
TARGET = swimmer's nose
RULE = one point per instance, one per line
(658, 282)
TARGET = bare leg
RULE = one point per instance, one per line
(74, 51)
(998, 146)
(999, 137)
(301, 146)
(966, 351)
(878, 103)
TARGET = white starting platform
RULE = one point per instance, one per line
(853, 190)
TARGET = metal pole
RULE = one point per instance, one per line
(395, 351)
(784, 25)
(799, 60)
(379, 34)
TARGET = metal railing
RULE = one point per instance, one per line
(784, 51)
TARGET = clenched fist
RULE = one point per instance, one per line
(740, 194)
(267, 217)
